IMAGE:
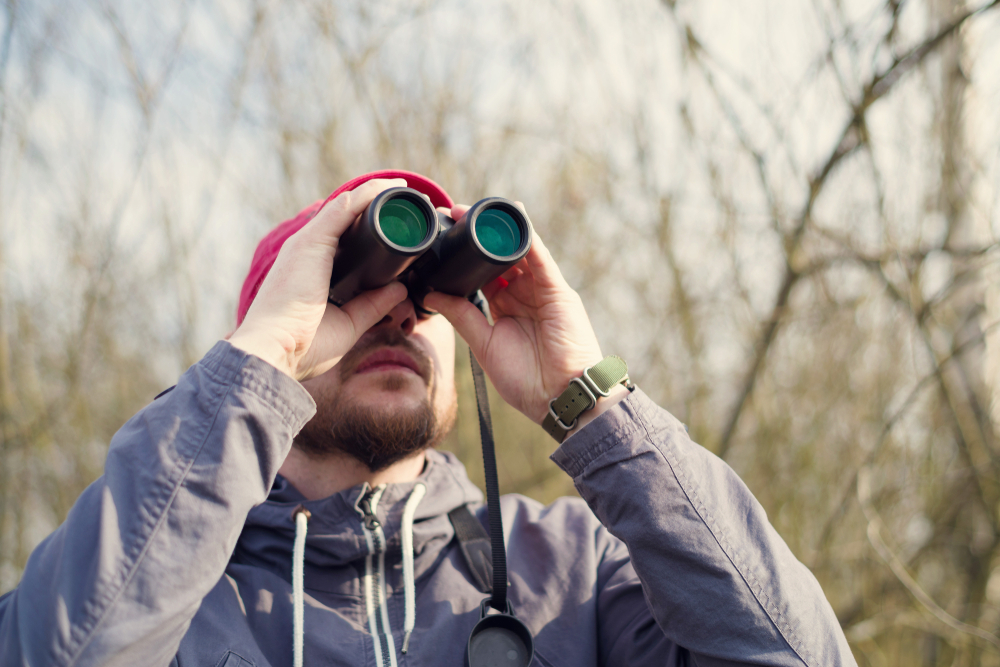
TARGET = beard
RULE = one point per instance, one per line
(376, 436)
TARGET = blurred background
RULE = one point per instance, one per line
(783, 214)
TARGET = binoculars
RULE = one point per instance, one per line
(401, 236)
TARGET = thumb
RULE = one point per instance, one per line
(368, 308)
(468, 320)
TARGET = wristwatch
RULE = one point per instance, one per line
(582, 394)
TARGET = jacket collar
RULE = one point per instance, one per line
(335, 535)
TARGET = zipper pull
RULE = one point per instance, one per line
(371, 521)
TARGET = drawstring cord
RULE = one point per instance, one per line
(409, 591)
(301, 515)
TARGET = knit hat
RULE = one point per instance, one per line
(267, 249)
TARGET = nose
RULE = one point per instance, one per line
(403, 316)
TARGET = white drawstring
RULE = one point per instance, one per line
(409, 591)
(298, 563)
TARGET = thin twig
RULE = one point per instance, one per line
(851, 138)
(899, 569)
(887, 428)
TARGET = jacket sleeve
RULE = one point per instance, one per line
(717, 578)
(120, 580)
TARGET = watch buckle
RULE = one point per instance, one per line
(559, 422)
(587, 391)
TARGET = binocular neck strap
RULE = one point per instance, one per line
(499, 599)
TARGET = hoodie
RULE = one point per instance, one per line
(183, 552)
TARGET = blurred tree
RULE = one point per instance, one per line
(783, 215)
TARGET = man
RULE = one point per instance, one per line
(182, 553)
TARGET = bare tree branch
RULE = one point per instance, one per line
(851, 138)
(898, 569)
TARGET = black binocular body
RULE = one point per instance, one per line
(401, 236)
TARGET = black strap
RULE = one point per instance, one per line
(474, 542)
(165, 391)
(499, 599)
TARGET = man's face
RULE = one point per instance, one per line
(391, 395)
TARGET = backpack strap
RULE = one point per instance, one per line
(474, 542)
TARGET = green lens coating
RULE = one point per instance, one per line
(402, 222)
(497, 232)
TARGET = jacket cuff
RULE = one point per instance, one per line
(615, 428)
(229, 365)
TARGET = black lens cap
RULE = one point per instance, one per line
(500, 640)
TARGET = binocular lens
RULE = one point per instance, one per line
(402, 222)
(401, 236)
(497, 232)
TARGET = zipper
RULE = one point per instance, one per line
(369, 519)
(374, 581)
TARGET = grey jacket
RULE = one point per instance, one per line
(182, 552)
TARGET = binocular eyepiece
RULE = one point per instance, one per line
(401, 236)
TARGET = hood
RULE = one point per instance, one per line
(335, 537)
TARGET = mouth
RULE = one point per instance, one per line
(388, 360)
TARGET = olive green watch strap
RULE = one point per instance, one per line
(582, 394)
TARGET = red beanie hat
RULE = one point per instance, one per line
(267, 249)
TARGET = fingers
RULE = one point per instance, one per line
(491, 288)
(368, 308)
(515, 272)
(338, 214)
(543, 268)
(469, 321)
(455, 212)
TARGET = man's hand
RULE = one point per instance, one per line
(541, 337)
(290, 323)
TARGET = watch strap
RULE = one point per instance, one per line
(582, 394)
